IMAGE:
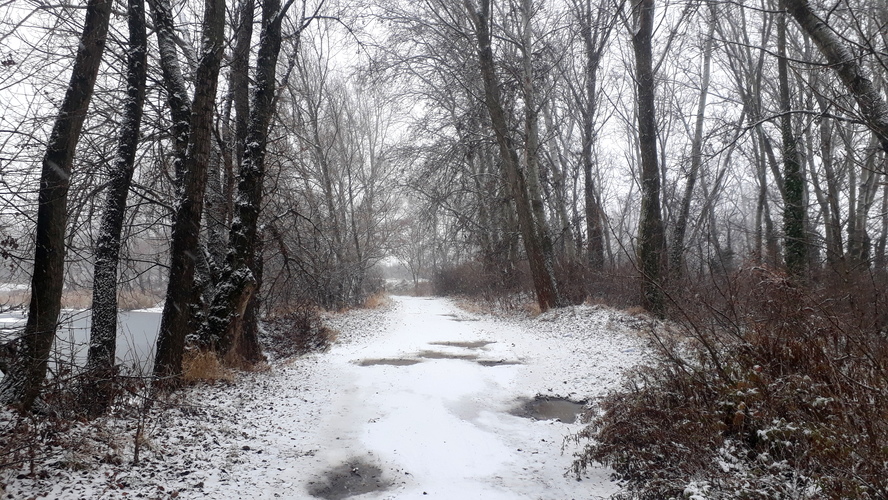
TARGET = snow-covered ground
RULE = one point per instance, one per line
(419, 399)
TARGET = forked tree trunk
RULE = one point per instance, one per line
(21, 386)
(225, 325)
(185, 246)
(651, 241)
(96, 394)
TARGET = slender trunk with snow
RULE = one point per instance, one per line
(21, 386)
(103, 333)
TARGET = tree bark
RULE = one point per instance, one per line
(651, 240)
(21, 386)
(537, 243)
(174, 83)
(185, 245)
(103, 333)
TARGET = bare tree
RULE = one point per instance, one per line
(239, 280)
(185, 245)
(537, 241)
(21, 386)
(651, 240)
(103, 335)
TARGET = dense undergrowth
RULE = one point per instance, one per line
(763, 388)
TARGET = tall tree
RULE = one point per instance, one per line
(676, 255)
(239, 281)
(537, 241)
(596, 26)
(795, 245)
(185, 246)
(651, 240)
(103, 334)
(21, 386)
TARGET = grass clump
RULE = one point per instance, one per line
(204, 366)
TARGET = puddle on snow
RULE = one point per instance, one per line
(549, 408)
(388, 362)
(454, 317)
(494, 362)
(469, 344)
(446, 355)
(352, 478)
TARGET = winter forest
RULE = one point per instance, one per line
(710, 172)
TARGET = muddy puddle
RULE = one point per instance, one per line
(387, 362)
(446, 355)
(352, 478)
(497, 362)
(471, 344)
(549, 408)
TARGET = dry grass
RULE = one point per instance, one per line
(128, 300)
(204, 366)
(776, 378)
(377, 300)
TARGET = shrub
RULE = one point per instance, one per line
(764, 389)
(297, 332)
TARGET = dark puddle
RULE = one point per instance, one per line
(388, 361)
(349, 479)
(454, 317)
(445, 355)
(549, 408)
(471, 344)
(502, 362)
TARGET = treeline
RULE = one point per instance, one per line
(212, 156)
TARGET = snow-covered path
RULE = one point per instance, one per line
(442, 426)
(417, 400)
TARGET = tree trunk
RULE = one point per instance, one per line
(174, 83)
(676, 257)
(21, 386)
(103, 334)
(537, 243)
(225, 326)
(651, 241)
(185, 246)
(795, 251)
(845, 63)
(595, 38)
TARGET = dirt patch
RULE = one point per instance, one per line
(388, 362)
(500, 362)
(471, 344)
(549, 408)
(352, 478)
(446, 355)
